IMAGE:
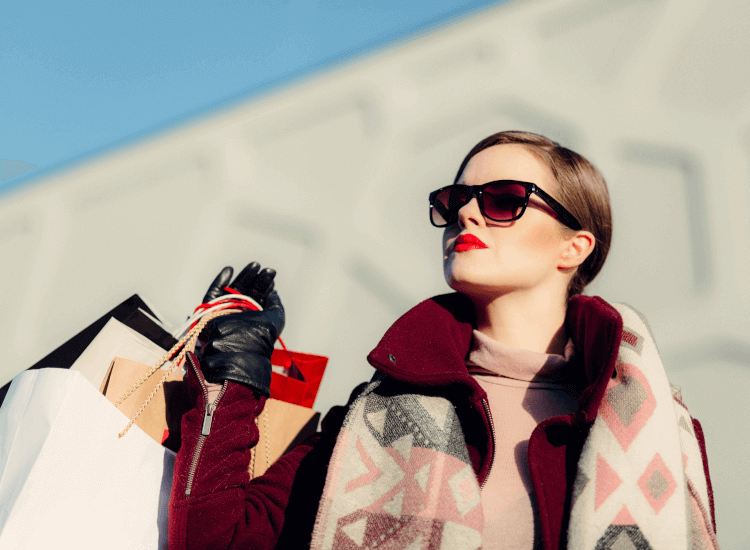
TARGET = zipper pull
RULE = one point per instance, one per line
(208, 418)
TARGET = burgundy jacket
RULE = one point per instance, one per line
(215, 505)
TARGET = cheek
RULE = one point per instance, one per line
(541, 237)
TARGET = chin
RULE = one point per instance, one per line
(474, 286)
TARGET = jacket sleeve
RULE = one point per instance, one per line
(213, 502)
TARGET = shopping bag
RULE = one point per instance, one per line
(298, 379)
(161, 418)
(282, 426)
(115, 340)
(67, 480)
(133, 313)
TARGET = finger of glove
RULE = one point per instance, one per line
(245, 281)
(261, 298)
(217, 286)
(269, 289)
(274, 312)
(263, 285)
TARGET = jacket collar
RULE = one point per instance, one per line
(428, 344)
(596, 330)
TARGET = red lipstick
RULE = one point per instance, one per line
(467, 241)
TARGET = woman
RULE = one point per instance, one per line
(513, 413)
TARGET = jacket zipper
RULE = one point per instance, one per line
(208, 418)
(492, 432)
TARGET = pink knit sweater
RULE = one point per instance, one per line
(523, 388)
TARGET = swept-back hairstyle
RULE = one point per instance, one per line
(581, 190)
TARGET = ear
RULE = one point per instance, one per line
(576, 249)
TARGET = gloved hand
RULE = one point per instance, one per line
(252, 281)
(240, 345)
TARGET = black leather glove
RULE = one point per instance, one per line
(240, 345)
(252, 281)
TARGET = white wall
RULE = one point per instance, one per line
(327, 180)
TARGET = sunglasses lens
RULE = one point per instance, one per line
(504, 201)
(447, 204)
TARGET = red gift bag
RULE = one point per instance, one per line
(299, 378)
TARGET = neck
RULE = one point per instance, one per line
(526, 320)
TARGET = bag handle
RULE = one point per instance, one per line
(233, 302)
(185, 344)
(254, 450)
(233, 298)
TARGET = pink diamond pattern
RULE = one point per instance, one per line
(464, 491)
(657, 483)
(607, 481)
(628, 404)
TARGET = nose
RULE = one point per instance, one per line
(470, 214)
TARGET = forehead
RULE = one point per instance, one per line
(509, 161)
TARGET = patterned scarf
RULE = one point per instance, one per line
(400, 475)
(640, 481)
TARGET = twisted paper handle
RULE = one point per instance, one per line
(253, 451)
(186, 343)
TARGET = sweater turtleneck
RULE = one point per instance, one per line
(523, 388)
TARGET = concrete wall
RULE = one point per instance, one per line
(327, 179)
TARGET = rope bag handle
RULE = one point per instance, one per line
(188, 337)
(185, 344)
(254, 450)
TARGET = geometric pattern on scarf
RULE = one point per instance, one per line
(399, 478)
(640, 482)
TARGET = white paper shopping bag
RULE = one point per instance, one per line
(67, 480)
(115, 340)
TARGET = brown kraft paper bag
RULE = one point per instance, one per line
(282, 425)
(161, 418)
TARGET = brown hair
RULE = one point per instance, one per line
(581, 190)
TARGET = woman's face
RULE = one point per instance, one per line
(520, 255)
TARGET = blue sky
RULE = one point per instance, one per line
(77, 78)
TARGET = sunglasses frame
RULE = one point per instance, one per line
(565, 217)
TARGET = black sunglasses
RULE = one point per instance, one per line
(499, 201)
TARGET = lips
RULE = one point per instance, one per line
(467, 241)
